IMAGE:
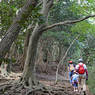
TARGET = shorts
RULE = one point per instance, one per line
(75, 84)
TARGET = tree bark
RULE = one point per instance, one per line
(29, 68)
(41, 52)
(25, 49)
(60, 51)
(15, 28)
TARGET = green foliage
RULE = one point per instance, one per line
(6, 14)
(33, 16)
(61, 12)
(6, 60)
(83, 28)
(36, 16)
(91, 80)
(8, 11)
(83, 7)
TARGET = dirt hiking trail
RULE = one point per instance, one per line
(45, 75)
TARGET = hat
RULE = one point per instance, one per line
(70, 61)
(74, 72)
(80, 60)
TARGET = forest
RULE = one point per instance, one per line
(38, 38)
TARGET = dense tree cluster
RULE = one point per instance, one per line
(38, 31)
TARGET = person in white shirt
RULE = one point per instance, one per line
(82, 75)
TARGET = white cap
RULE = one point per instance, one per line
(80, 60)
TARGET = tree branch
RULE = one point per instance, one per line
(66, 22)
(64, 58)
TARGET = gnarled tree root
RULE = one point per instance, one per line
(39, 89)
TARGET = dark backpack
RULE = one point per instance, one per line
(81, 69)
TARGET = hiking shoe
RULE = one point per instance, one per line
(76, 90)
(84, 92)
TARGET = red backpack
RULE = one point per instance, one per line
(81, 69)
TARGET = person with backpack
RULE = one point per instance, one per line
(81, 68)
(75, 81)
(71, 68)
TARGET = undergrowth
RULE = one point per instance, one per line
(91, 81)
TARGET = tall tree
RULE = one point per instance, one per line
(29, 68)
(15, 28)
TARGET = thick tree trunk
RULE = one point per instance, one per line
(28, 73)
(28, 77)
(15, 28)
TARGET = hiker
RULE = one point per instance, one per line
(75, 81)
(82, 75)
(71, 68)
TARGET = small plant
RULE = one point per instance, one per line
(3, 91)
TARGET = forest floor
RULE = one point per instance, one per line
(45, 74)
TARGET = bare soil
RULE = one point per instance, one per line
(46, 75)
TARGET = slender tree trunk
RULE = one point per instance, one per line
(40, 54)
(64, 58)
(9, 65)
(29, 68)
(15, 28)
(49, 50)
(60, 51)
(25, 48)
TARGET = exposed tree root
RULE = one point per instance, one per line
(10, 75)
(10, 88)
(32, 90)
(30, 86)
